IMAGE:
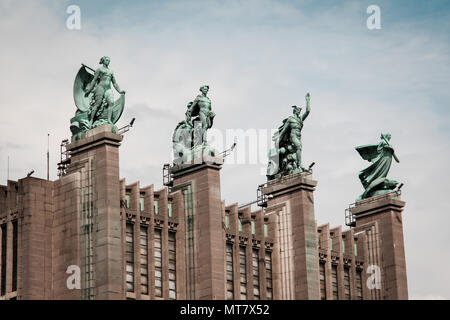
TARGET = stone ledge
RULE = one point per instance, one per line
(290, 183)
(94, 137)
(378, 204)
(183, 169)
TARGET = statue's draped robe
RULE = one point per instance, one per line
(376, 173)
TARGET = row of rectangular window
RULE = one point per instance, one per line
(155, 205)
(172, 266)
(229, 270)
(253, 226)
(144, 258)
(335, 282)
(3, 258)
(355, 247)
(255, 266)
(243, 273)
(144, 261)
(158, 262)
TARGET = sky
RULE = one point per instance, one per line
(259, 58)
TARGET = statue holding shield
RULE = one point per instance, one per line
(94, 98)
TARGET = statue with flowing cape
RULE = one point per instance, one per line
(286, 157)
(94, 99)
(373, 178)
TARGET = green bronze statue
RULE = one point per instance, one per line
(201, 108)
(286, 157)
(94, 99)
(190, 135)
(373, 178)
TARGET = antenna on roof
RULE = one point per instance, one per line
(127, 127)
(227, 152)
(48, 156)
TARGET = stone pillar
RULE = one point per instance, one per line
(35, 239)
(291, 198)
(205, 262)
(384, 215)
(96, 155)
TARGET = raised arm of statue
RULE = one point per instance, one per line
(116, 85)
(308, 107)
(389, 145)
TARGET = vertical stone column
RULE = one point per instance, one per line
(291, 198)
(384, 213)
(207, 258)
(100, 149)
(35, 239)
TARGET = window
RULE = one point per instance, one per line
(239, 225)
(318, 241)
(255, 266)
(155, 206)
(141, 203)
(158, 263)
(359, 293)
(331, 243)
(243, 272)
(227, 222)
(230, 280)
(169, 209)
(323, 288)
(14, 258)
(334, 281)
(266, 230)
(343, 246)
(127, 200)
(253, 227)
(355, 247)
(144, 259)
(347, 283)
(268, 265)
(172, 266)
(129, 257)
(3, 260)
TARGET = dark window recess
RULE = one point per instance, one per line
(323, 289)
(3, 261)
(15, 245)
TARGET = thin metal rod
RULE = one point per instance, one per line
(48, 156)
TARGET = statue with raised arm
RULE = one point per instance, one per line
(94, 98)
(373, 178)
(286, 157)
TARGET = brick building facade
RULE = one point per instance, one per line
(184, 242)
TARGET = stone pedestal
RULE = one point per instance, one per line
(96, 157)
(380, 218)
(205, 263)
(291, 199)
